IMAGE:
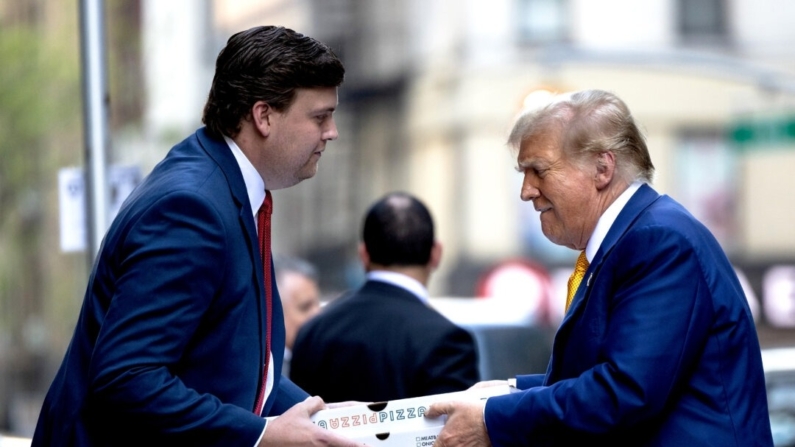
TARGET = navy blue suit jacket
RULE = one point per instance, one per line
(169, 345)
(382, 343)
(658, 349)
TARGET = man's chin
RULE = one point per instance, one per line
(551, 237)
(306, 174)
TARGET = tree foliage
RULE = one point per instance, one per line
(39, 123)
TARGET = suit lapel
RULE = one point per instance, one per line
(220, 152)
(639, 201)
(223, 157)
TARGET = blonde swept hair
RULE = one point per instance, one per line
(591, 122)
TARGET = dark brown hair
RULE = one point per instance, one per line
(265, 63)
(398, 230)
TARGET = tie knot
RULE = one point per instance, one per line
(267, 204)
(582, 263)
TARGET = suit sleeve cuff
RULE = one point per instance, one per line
(261, 435)
(528, 381)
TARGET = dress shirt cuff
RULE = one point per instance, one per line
(485, 427)
(511, 383)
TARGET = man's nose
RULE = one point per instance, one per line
(529, 191)
(331, 132)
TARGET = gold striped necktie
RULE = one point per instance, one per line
(576, 277)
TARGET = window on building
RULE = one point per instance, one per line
(542, 21)
(702, 21)
(706, 182)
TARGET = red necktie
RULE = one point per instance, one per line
(264, 230)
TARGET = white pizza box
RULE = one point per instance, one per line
(401, 418)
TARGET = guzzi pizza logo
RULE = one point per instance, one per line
(375, 417)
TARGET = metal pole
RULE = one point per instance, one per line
(96, 101)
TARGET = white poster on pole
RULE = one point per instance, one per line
(72, 209)
(72, 199)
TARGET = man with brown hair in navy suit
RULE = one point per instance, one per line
(175, 344)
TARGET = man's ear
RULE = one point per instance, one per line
(605, 169)
(261, 117)
(436, 255)
(364, 256)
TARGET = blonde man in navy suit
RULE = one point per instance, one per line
(658, 347)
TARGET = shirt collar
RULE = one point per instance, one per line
(606, 220)
(255, 185)
(402, 281)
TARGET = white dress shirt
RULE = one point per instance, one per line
(607, 219)
(255, 187)
(400, 280)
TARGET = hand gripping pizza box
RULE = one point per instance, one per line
(400, 422)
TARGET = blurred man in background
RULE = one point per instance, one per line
(298, 287)
(658, 346)
(383, 342)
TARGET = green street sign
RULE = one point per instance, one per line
(773, 132)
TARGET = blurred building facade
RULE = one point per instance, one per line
(433, 87)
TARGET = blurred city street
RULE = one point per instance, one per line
(431, 90)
